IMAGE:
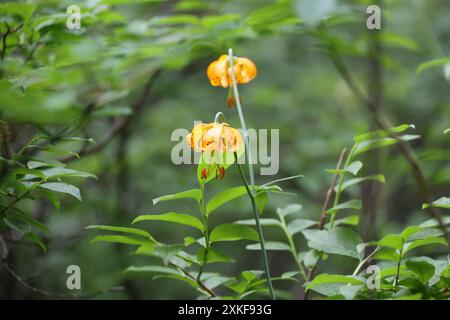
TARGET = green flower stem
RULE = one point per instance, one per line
(258, 225)
(399, 263)
(251, 193)
(339, 186)
(205, 232)
(293, 249)
(363, 262)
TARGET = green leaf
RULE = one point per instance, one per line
(387, 253)
(351, 204)
(180, 218)
(351, 182)
(23, 10)
(334, 278)
(431, 64)
(261, 200)
(223, 197)
(289, 209)
(367, 145)
(422, 268)
(213, 256)
(31, 221)
(134, 231)
(395, 241)
(434, 223)
(165, 251)
(195, 194)
(152, 269)
(29, 173)
(297, 225)
(443, 202)
(310, 258)
(352, 168)
(263, 222)
(62, 188)
(340, 241)
(121, 239)
(382, 133)
(33, 237)
(424, 242)
(446, 131)
(269, 245)
(350, 220)
(59, 172)
(176, 19)
(410, 231)
(233, 232)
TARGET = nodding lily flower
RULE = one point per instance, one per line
(214, 137)
(219, 74)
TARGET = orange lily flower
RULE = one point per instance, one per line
(214, 137)
(219, 71)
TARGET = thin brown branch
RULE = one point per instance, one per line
(19, 279)
(324, 212)
(331, 189)
(408, 153)
(120, 124)
(196, 279)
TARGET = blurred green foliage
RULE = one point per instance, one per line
(136, 70)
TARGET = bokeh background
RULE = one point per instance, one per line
(89, 80)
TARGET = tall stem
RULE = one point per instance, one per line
(339, 186)
(293, 248)
(205, 232)
(258, 226)
(251, 192)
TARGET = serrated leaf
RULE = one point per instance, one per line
(174, 217)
